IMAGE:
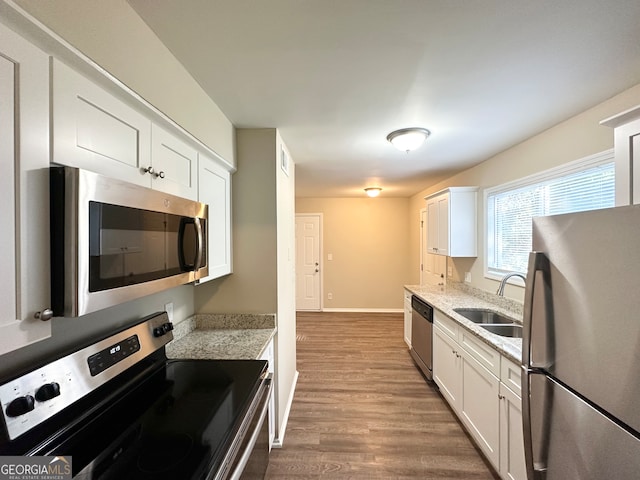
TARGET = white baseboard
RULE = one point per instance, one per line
(279, 440)
(364, 310)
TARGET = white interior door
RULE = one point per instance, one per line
(308, 268)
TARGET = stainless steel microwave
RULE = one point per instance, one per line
(113, 241)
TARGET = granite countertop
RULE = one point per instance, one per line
(222, 336)
(457, 295)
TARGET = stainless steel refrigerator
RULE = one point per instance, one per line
(581, 347)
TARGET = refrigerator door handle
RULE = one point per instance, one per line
(538, 263)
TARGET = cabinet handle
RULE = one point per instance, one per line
(149, 169)
(45, 315)
(159, 174)
(500, 397)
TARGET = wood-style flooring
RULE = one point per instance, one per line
(362, 410)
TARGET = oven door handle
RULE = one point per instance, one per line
(242, 462)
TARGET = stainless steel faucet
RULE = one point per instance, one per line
(500, 291)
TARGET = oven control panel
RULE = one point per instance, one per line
(36, 396)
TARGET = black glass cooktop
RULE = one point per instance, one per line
(175, 424)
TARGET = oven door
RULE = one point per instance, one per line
(248, 456)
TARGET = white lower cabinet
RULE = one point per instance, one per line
(482, 387)
(268, 355)
(512, 464)
(408, 311)
(480, 406)
(447, 367)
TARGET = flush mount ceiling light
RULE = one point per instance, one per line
(407, 139)
(373, 191)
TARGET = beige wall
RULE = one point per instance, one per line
(113, 35)
(370, 246)
(573, 139)
(252, 287)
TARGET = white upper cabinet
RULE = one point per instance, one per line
(96, 131)
(451, 222)
(214, 189)
(627, 155)
(24, 193)
(174, 164)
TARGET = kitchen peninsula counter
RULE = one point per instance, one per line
(457, 295)
(222, 336)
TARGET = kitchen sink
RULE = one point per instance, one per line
(482, 316)
(513, 330)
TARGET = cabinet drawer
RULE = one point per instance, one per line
(447, 325)
(511, 375)
(483, 353)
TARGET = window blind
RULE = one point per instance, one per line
(509, 212)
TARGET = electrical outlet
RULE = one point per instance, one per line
(329, 256)
(467, 277)
(449, 271)
(168, 307)
(330, 296)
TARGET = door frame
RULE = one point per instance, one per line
(320, 258)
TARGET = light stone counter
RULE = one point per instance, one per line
(458, 295)
(223, 336)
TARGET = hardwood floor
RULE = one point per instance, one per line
(362, 410)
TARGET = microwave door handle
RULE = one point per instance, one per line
(197, 263)
(184, 266)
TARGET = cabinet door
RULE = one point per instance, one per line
(443, 225)
(446, 367)
(24, 192)
(512, 464)
(175, 164)
(432, 226)
(480, 407)
(214, 189)
(94, 130)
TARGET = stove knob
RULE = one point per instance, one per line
(48, 391)
(158, 332)
(168, 326)
(20, 406)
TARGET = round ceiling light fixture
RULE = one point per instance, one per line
(373, 191)
(407, 139)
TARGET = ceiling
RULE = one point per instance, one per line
(336, 76)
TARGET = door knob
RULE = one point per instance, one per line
(45, 315)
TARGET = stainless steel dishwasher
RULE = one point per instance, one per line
(421, 336)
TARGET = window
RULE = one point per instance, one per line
(587, 184)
